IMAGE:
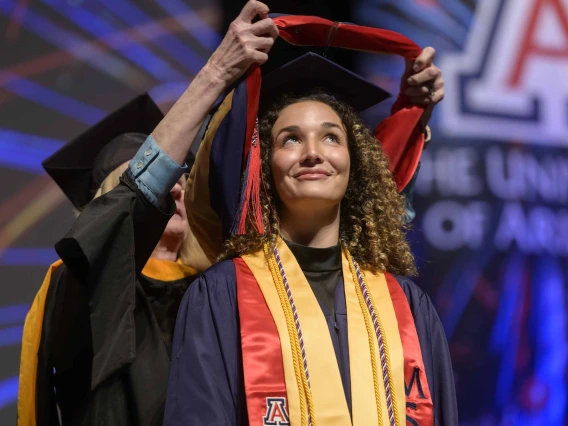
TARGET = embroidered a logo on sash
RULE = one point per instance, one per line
(276, 413)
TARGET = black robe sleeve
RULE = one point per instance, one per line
(105, 250)
(132, 396)
(435, 353)
(206, 383)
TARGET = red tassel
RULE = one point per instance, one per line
(249, 207)
(250, 197)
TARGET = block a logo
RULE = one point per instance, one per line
(510, 82)
(276, 413)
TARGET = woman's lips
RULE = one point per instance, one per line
(315, 174)
(312, 176)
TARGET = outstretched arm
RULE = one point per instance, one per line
(244, 45)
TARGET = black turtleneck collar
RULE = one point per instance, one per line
(322, 269)
(313, 259)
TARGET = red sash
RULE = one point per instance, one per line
(265, 386)
(418, 400)
(262, 358)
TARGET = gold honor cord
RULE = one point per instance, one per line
(370, 333)
(301, 379)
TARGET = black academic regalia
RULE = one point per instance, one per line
(206, 377)
(106, 340)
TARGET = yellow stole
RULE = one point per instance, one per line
(166, 270)
(369, 404)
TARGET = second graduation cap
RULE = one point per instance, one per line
(80, 167)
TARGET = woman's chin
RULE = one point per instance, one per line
(314, 200)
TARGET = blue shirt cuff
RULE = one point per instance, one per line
(154, 171)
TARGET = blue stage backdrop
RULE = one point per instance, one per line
(491, 233)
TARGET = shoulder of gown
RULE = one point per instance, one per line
(206, 376)
(435, 353)
(218, 282)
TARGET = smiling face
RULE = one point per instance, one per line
(310, 156)
(295, 142)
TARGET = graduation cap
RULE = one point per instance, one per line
(80, 167)
(223, 190)
(312, 71)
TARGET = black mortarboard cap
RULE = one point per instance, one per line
(312, 71)
(80, 167)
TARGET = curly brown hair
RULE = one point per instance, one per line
(372, 224)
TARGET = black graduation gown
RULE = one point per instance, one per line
(105, 351)
(206, 376)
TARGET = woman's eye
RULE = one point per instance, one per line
(290, 139)
(332, 138)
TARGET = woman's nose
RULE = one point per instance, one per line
(312, 151)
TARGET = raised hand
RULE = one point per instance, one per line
(422, 82)
(244, 44)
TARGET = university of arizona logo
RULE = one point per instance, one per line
(276, 413)
(509, 82)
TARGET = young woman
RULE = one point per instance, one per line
(310, 319)
(295, 298)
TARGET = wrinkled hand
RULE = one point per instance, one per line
(422, 82)
(244, 44)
